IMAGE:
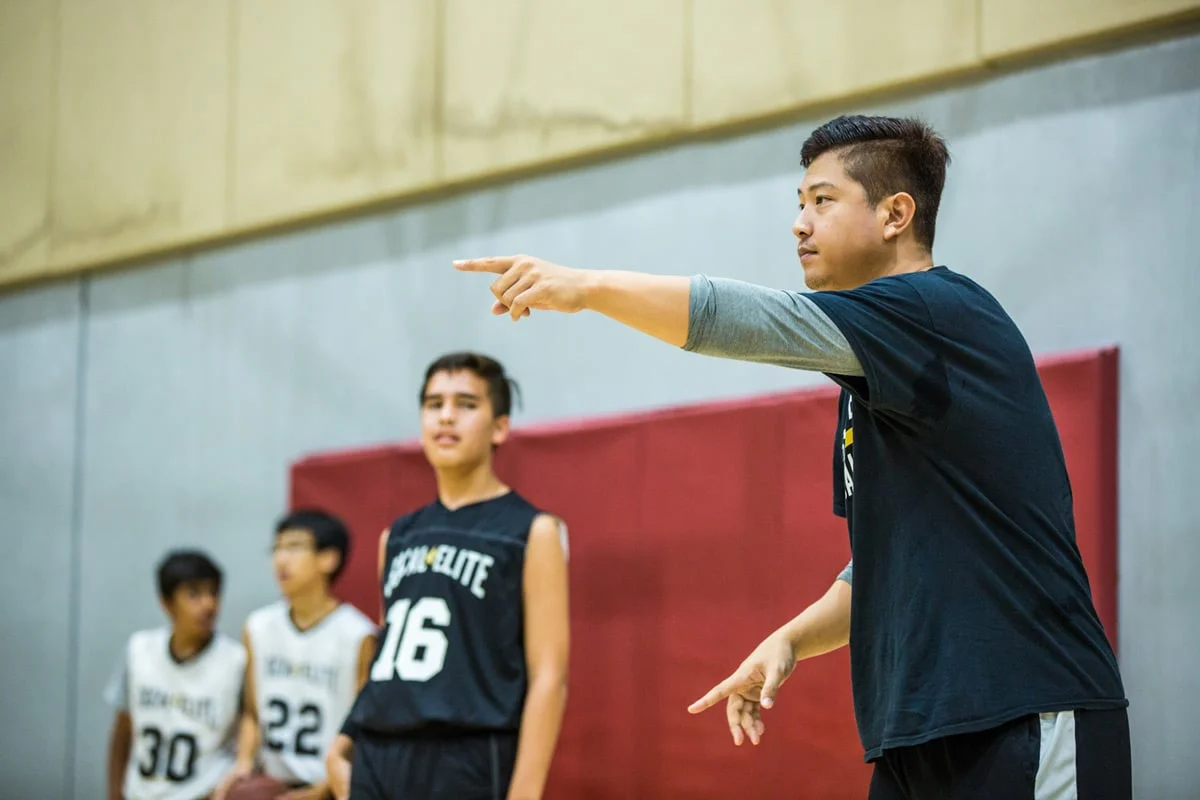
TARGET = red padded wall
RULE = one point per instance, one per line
(694, 532)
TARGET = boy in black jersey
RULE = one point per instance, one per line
(979, 665)
(467, 690)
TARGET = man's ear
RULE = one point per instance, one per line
(897, 212)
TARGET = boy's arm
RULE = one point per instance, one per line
(366, 654)
(716, 317)
(246, 753)
(547, 648)
(383, 541)
(337, 756)
(337, 765)
(120, 743)
(248, 729)
(120, 737)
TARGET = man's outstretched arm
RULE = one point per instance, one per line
(715, 317)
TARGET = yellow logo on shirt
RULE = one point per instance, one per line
(847, 452)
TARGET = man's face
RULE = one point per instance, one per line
(839, 235)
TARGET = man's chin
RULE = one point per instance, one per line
(815, 279)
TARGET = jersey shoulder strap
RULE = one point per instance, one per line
(263, 620)
(228, 648)
(402, 525)
(147, 640)
(356, 622)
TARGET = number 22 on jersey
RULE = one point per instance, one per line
(411, 650)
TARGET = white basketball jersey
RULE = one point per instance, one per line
(184, 716)
(305, 683)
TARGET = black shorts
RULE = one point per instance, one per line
(1076, 754)
(449, 766)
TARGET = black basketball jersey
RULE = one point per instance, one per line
(452, 653)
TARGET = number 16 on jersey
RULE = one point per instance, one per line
(412, 649)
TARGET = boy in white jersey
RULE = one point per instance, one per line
(308, 654)
(177, 692)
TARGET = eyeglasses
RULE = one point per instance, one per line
(292, 547)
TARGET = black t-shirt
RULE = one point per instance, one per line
(451, 656)
(971, 605)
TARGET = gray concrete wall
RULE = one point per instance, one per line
(40, 379)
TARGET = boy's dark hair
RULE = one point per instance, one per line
(329, 532)
(186, 566)
(500, 386)
(888, 155)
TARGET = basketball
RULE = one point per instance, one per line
(257, 787)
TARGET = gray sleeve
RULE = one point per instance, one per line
(847, 574)
(116, 694)
(742, 321)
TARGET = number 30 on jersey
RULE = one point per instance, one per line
(412, 650)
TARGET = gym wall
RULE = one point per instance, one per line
(161, 406)
(139, 127)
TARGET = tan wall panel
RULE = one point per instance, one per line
(141, 142)
(537, 80)
(1015, 26)
(756, 57)
(335, 105)
(27, 46)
